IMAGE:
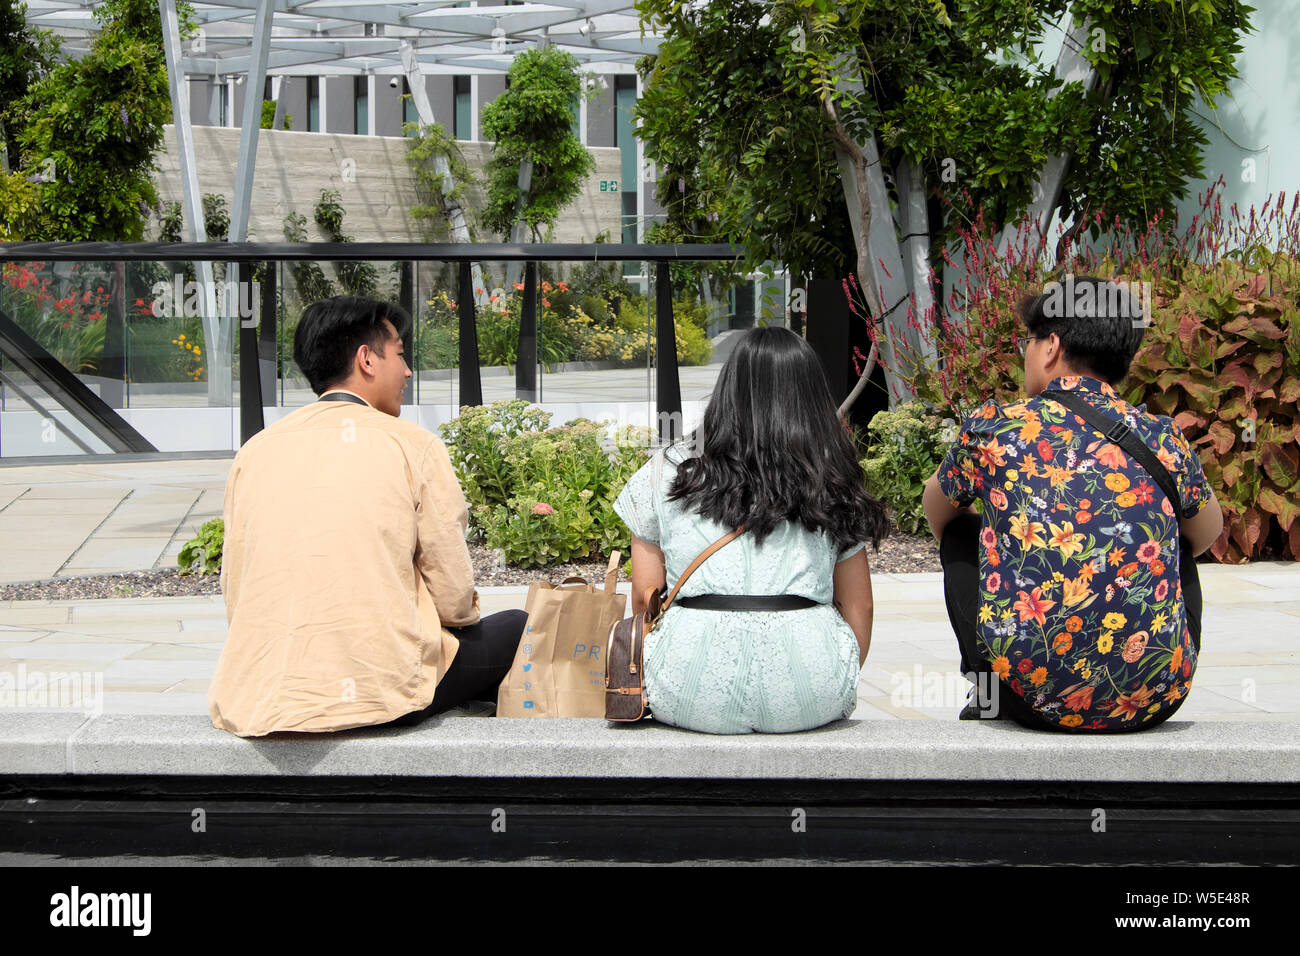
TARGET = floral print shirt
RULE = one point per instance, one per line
(1081, 610)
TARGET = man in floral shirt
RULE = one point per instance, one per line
(1072, 586)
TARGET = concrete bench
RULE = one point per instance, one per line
(467, 747)
(116, 787)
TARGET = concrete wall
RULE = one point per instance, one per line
(293, 168)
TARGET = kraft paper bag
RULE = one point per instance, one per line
(559, 667)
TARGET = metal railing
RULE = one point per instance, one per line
(257, 340)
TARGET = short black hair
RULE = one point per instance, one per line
(331, 331)
(1098, 322)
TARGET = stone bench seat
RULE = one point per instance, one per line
(459, 746)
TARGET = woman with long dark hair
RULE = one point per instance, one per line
(771, 454)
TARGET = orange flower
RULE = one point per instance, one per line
(1062, 643)
(1112, 456)
(998, 499)
(1002, 667)
(1087, 571)
(1029, 430)
(1074, 624)
(1033, 606)
(1157, 567)
(1116, 557)
(1128, 570)
(1071, 720)
(1116, 482)
(1059, 476)
(991, 455)
(1083, 517)
(1126, 499)
(1135, 647)
(1029, 467)
(1080, 699)
(1128, 705)
(1038, 676)
(1176, 660)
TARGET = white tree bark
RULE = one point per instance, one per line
(1072, 67)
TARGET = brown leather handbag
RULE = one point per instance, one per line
(624, 676)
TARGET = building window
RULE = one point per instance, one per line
(313, 104)
(625, 140)
(409, 112)
(361, 109)
(461, 114)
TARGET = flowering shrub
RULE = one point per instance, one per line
(1221, 355)
(542, 495)
(906, 446)
(68, 324)
(567, 331)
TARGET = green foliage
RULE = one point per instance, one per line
(906, 446)
(308, 277)
(26, 55)
(1222, 356)
(202, 553)
(96, 123)
(268, 116)
(735, 112)
(433, 209)
(531, 121)
(542, 495)
(356, 278)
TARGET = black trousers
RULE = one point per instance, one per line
(959, 553)
(487, 649)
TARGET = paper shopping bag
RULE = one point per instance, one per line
(559, 667)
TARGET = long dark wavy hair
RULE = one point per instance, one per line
(772, 448)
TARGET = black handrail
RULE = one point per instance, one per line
(369, 251)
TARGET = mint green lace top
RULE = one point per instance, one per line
(735, 672)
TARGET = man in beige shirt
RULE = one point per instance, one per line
(349, 588)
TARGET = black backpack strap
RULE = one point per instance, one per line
(1117, 431)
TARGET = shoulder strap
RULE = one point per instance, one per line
(1117, 431)
(729, 536)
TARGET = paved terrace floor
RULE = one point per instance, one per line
(157, 655)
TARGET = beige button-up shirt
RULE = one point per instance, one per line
(344, 560)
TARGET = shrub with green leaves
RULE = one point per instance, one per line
(202, 553)
(906, 446)
(542, 495)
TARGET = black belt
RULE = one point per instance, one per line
(747, 602)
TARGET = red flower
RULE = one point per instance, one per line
(1026, 665)
(1015, 686)
(1044, 449)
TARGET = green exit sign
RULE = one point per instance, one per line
(609, 185)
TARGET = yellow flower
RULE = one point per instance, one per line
(1158, 622)
(1087, 673)
(1029, 532)
(1153, 708)
(1012, 474)
(1006, 615)
(986, 614)
(1105, 643)
(1066, 540)
(1114, 621)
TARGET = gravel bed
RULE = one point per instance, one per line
(898, 553)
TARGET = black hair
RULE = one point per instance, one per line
(331, 330)
(1098, 322)
(772, 447)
